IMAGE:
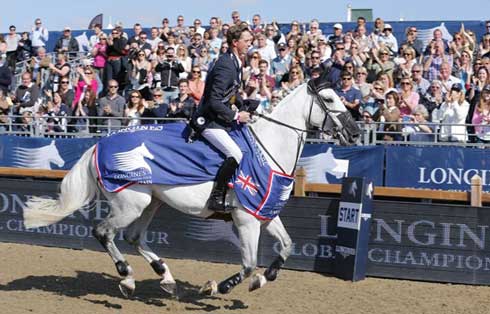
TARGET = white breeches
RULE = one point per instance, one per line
(220, 139)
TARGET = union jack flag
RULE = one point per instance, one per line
(246, 183)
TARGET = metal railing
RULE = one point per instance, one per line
(73, 126)
(96, 126)
(73, 59)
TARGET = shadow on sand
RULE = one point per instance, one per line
(90, 283)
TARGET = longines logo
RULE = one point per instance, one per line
(77, 225)
(451, 176)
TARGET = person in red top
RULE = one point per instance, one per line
(196, 84)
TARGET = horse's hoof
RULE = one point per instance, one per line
(257, 282)
(127, 287)
(210, 288)
(169, 287)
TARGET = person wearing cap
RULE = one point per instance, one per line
(481, 116)
(452, 115)
(280, 64)
(387, 39)
(337, 35)
(66, 43)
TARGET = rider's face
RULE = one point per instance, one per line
(244, 42)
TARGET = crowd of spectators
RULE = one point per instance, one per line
(409, 88)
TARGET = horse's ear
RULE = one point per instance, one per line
(319, 83)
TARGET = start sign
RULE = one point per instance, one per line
(353, 225)
(349, 215)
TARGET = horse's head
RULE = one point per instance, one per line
(329, 113)
(143, 150)
(53, 155)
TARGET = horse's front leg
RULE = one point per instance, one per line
(249, 233)
(276, 229)
(135, 235)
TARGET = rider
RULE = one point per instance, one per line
(215, 116)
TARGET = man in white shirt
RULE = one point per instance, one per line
(39, 36)
(388, 39)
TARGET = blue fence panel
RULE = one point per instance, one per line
(330, 163)
(42, 153)
(442, 168)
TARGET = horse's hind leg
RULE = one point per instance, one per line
(249, 232)
(276, 229)
(135, 235)
(126, 207)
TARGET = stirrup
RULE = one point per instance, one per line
(219, 207)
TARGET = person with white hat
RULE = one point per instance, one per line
(66, 43)
(337, 35)
(388, 40)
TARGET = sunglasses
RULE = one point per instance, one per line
(346, 78)
(113, 86)
(255, 57)
(405, 83)
(198, 72)
(64, 82)
(135, 96)
(315, 58)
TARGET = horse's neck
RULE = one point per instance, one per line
(282, 142)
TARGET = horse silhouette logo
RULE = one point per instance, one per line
(38, 158)
(319, 165)
(133, 159)
(286, 191)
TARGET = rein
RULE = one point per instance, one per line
(299, 131)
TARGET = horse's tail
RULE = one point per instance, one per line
(78, 188)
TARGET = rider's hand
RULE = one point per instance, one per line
(244, 116)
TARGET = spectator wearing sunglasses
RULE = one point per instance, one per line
(39, 35)
(112, 105)
(65, 91)
(86, 80)
(350, 96)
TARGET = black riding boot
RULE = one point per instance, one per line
(216, 201)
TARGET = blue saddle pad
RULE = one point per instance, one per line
(160, 154)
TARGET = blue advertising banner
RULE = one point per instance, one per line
(441, 168)
(42, 153)
(326, 163)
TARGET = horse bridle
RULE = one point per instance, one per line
(313, 89)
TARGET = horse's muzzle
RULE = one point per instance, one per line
(348, 132)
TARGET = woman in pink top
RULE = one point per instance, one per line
(408, 98)
(100, 55)
(86, 80)
(196, 85)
